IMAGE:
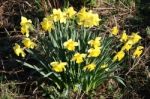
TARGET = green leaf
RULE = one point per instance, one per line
(48, 74)
(26, 64)
(119, 79)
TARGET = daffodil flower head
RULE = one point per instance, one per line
(58, 15)
(95, 43)
(137, 53)
(94, 18)
(87, 19)
(115, 30)
(78, 58)
(70, 12)
(135, 38)
(89, 67)
(26, 26)
(18, 50)
(58, 66)
(28, 43)
(47, 24)
(124, 37)
(82, 13)
(70, 45)
(119, 56)
(25, 21)
(94, 52)
(25, 30)
(127, 46)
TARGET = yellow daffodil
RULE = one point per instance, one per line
(94, 52)
(96, 19)
(135, 38)
(58, 15)
(24, 21)
(25, 30)
(105, 66)
(95, 43)
(124, 37)
(70, 44)
(70, 12)
(127, 46)
(82, 14)
(87, 19)
(58, 66)
(93, 19)
(47, 24)
(119, 56)
(115, 30)
(89, 67)
(18, 50)
(78, 57)
(26, 25)
(28, 43)
(137, 53)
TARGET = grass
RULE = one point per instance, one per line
(8, 90)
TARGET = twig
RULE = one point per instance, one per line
(16, 83)
(103, 8)
(11, 72)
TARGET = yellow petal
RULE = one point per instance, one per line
(115, 30)
(137, 53)
(124, 37)
(94, 52)
(89, 67)
(119, 56)
(18, 50)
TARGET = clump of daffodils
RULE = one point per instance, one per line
(27, 43)
(26, 27)
(129, 42)
(70, 53)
